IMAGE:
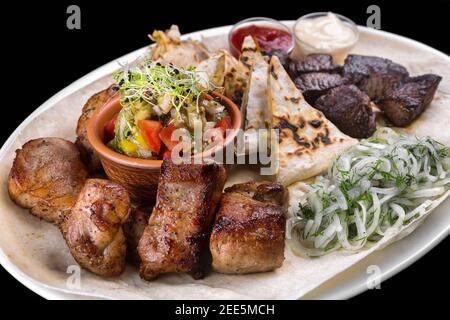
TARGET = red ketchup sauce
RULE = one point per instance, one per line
(268, 38)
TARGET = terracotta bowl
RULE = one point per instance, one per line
(141, 176)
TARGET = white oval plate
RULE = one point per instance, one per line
(351, 282)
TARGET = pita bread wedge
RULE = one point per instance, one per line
(249, 50)
(213, 69)
(308, 142)
(227, 72)
(236, 78)
(254, 106)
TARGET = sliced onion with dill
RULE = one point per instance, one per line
(382, 184)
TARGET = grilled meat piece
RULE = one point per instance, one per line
(409, 98)
(373, 75)
(349, 109)
(88, 154)
(248, 234)
(315, 84)
(93, 228)
(134, 228)
(315, 62)
(176, 238)
(46, 177)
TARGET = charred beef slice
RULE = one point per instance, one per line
(312, 63)
(373, 75)
(313, 85)
(409, 98)
(348, 108)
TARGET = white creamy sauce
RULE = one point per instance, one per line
(325, 34)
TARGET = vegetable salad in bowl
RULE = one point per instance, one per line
(159, 99)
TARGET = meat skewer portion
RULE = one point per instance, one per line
(176, 238)
(315, 62)
(373, 75)
(248, 234)
(349, 109)
(409, 98)
(134, 229)
(315, 84)
(46, 177)
(93, 229)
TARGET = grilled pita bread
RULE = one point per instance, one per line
(308, 142)
(256, 95)
(254, 106)
(227, 72)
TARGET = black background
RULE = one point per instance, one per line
(41, 56)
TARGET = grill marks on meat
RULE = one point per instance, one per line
(88, 154)
(176, 238)
(93, 229)
(46, 177)
(349, 109)
(313, 85)
(248, 234)
(409, 98)
(311, 63)
(373, 75)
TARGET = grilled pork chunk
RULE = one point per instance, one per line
(315, 84)
(46, 177)
(349, 109)
(248, 234)
(88, 154)
(176, 238)
(409, 98)
(134, 229)
(93, 228)
(373, 75)
(315, 62)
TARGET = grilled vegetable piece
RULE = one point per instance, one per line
(248, 234)
(176, 238)
(170, 48)
(134, 228)
(315, 84)
(409, 98)
(349, 109)
(88, 154)
(46, 177)
(308, 141)
(93, 229)
(315, 62)
(373, 75)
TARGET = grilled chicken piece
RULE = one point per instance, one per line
(315, 84)
(88, 154)
(409, 98)
(349, 109)
(93, 228)
(176, 238)
(248, 234)
(170, 48)
(46, 177)
(134, 228)
(315, 62)
(373, 75)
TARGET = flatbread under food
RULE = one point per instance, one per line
(308, 142)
